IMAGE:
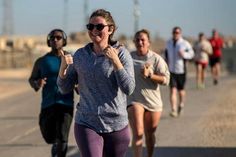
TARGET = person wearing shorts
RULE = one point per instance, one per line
(178, 51)
(215, 58)
(177, 81)
(145, 104)
(202, 50)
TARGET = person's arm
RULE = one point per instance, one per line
(66, 60)
(67, 77)
(161, 74)
(166, 56)
(186, 51)
(35, 80)
(124, 71)
(207, 48)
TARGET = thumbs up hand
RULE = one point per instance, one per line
(66, 60)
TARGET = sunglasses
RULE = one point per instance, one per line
(176, 32)
(99, 27)
(55, 37)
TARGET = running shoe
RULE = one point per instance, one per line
(174, 113)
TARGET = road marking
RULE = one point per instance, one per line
(25, 134)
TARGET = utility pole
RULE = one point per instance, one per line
(136, 15)
(8, 26)
(65, 16)
(86, 14)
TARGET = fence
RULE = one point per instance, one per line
(17, 59)
(229, 59)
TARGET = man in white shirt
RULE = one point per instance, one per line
(177, 52)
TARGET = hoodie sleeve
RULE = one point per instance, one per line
(125, 76)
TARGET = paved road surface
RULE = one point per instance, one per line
(207, 128)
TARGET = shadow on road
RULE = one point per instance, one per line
(183, 152)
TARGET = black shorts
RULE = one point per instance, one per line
(55, 122)
(177, 80)
(215, 60)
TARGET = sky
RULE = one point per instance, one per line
(38, 17)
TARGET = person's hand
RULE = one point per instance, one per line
(112, 54)
(66, 60)
(146, 70)
(42, 82)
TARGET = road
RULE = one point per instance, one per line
(207, 127)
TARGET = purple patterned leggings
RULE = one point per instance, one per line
(93, 144)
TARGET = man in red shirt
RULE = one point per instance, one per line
(215, 58)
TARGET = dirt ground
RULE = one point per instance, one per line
(219, 127)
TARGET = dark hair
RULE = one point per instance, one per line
(214, 30)
(109, 19)
(145, 31)
(201, 34)
(52, 32)
(175, 28)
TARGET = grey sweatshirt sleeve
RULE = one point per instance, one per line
(67, 84)
(125, 76)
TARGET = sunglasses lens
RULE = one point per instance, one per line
(90, 26)
(56, 37)
(100, 27)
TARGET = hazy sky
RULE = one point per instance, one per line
(35, 17)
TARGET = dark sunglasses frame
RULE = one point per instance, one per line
(56, 37)
(99, 26)
(176, 32)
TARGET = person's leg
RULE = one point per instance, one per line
(181, 92)
(173, 101)
(116, 143)
(173, 94)
(214, 73)
(64, 119)
(213, 69)
(198, 75)
(217, 71)
(151, 121)
(136, 115)
(89, 142)
(182, 96)
(203, 75)
(47, 123)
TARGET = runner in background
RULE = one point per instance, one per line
(178, 50)
(215, 58)
(56, 109)
(202, 50)
(145, 104)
